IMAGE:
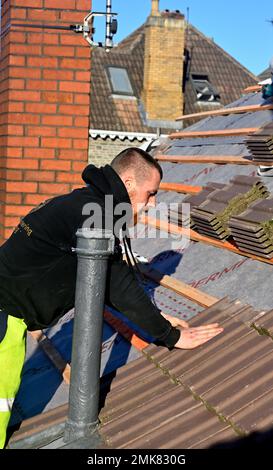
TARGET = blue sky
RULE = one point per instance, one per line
(238, 26)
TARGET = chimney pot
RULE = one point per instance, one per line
(155, 8)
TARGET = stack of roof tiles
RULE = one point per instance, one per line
(260, 144)
(253, 229)
(181, 217)
(217, 393)
(212, 208)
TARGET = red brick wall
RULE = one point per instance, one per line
(44, 105)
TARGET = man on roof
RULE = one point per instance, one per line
(38, 267)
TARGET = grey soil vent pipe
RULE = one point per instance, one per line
(93, 250)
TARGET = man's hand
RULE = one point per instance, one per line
(190, 338)
(176, 322)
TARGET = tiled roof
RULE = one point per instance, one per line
(125, 114)
(196, 398)
(108, 112)
(186, 399)
(225, 73)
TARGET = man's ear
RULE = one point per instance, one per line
(129, 183)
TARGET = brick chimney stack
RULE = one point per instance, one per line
(162, 95)
(44, 104)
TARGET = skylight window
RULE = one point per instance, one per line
(204, 89)
(120, 81)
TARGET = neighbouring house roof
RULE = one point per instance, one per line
(265, 74)
(126, 113)
(226, 74)
(118, 113)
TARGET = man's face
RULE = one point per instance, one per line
(142, 193)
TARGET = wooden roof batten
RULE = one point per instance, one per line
(180, 188)
(213, 159)
(195, 236)
(227, 111)
(253, 89)
(214, 133)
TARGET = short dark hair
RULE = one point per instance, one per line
(138, 159)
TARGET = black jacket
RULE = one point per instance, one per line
(38, 266)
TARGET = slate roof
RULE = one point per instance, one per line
(227, 75)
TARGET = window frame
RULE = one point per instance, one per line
(203, 77)
(115, 92)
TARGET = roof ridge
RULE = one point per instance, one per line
(138, 33)
(229, 56)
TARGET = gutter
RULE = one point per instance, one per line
(140, 136)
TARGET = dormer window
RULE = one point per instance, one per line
(120, 81)
(204, 89)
